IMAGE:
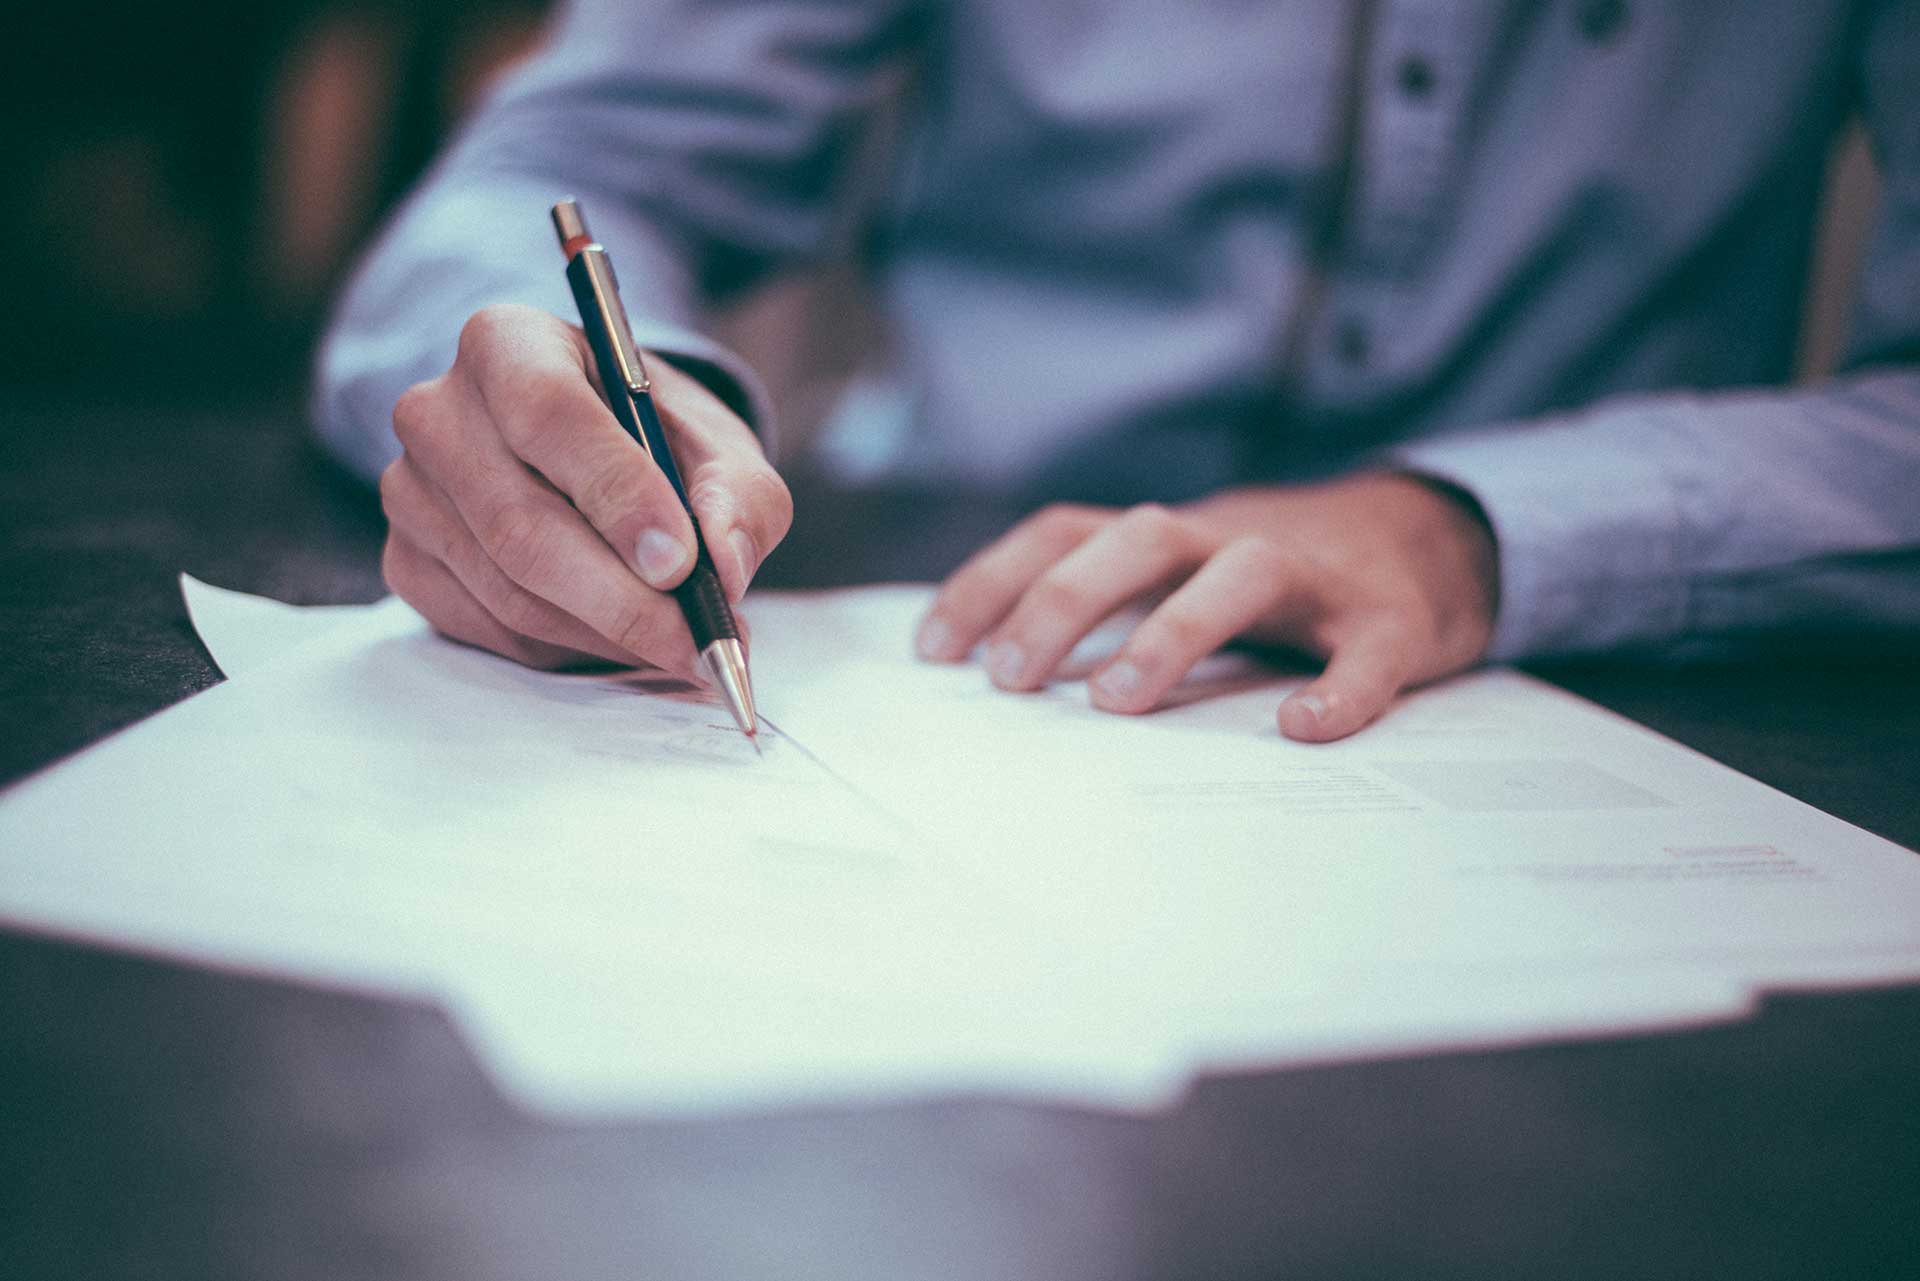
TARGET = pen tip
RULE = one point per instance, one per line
(727, 665)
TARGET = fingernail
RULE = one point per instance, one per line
(1119, 683)
(747, 556)
(1005, 661)
(658, 556)
(1312, 704)
(935, 638)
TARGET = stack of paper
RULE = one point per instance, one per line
(922, 884)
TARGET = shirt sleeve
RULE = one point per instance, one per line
(1688, 518)
(703, 139)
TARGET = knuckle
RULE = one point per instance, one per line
(1185, 633)
(957, 596)
(1260, 560)
(711, 497)
(1047, 519)
(1060, 520)
(1335, 559)
(608, 494)
(414, 413)
(392, 484)
(1060, 523)
(768, 496)
(1056, 597)
(1152, 524)
(1174, 632)
(502, 343)
(515, 538)
(488, 328)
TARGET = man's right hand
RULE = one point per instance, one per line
(523, 519)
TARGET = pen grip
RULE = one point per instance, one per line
(704, 603)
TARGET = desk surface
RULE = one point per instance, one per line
(157, 1120)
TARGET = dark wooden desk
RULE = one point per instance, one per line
(161, 1121)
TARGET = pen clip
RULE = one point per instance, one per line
(613, 315)
(578, 243)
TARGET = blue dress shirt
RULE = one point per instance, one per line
(1552, 252)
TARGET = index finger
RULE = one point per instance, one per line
(531, 532)
(534, 379)
(980, 593)
(744, 508)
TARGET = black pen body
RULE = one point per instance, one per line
(629, 393)
(700, 596)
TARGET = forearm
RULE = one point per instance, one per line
(1645, 522)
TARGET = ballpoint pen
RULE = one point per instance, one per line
(630, 395)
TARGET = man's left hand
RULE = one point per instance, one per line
(1392, 580)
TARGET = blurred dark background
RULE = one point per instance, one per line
(185, 184)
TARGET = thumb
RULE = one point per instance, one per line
(1362, 675)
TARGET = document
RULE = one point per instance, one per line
(922, 885)
(625, 903)
(242, 632)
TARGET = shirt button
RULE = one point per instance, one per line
(1601, 20)
(1414, 76)
(1351, 342)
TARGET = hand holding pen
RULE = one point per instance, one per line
(627, 384)
(525, 520)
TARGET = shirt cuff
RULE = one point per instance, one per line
(1587, 524)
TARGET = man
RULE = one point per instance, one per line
(1426, 331)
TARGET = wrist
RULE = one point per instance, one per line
(1452, 541)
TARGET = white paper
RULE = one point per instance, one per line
(245, 632)
(1493, 820)
(628, 903)
(923, 884)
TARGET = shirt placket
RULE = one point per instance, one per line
(1417, 73)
